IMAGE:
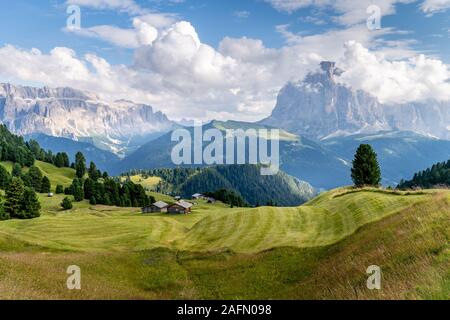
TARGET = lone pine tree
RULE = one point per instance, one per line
(366, 170)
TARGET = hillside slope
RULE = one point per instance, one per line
(246, 180)
(326, 220)
(300, 157)
(62, 176)
(125, 255)
(103, 159)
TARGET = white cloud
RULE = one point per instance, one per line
(129, 6)
(330, 44)
(180, 75)
(348, 12)
(432, 6)
(142, 34)
(416, 79)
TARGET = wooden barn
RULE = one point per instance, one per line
(157, 207)
(181, 207)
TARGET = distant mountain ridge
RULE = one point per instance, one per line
(324, 164)
(320, 107)
(78, 115)
(104, 160)
(246, 181)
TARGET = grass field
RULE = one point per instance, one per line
(62, 176)
(148, 183)
(320, 250)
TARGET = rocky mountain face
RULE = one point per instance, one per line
(321, 107)
(69, 113)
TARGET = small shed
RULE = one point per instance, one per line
(197, 196)
(177, 198)
(210, 200)
(157, 207)
(180, 207)
(50, 195)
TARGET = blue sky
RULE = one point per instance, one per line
(276, 40)
(40, 24)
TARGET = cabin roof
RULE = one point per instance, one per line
(184, 204)
(160, 204)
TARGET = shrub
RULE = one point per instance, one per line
(59, 189)
(66, 204)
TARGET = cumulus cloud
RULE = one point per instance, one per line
(330, 44)
(432, 6)
(177, 73)
(416, 79)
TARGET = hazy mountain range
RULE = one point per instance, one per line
(323, 122)
(65, 112)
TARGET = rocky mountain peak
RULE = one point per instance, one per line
(320, 107)
(74, 114)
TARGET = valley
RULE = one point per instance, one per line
(302, 233)
(316, 251)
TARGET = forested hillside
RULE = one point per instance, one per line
(436, 176)
(245, 180)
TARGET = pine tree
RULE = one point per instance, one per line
(93, 172)
(89, 188)
(59, 160)
(80, 165)
(366, 170)
(77, 189)
(30, 207)
(66, 161)
(35, 175)
(5, 177)
(17, 170)
(3, 214)
(46, 185)
(59, 189)
(14, 196)
(92, 201)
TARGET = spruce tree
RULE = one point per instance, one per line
(17, 170)
(35, 175)
(30, 207)
(89, 188)
(59, 189)
(3, 214)
(66, 161)
(77, 189)
(14, 196)
(93, 172)
(80, 165)
(5, 177)
(46, 185)
(366, 170)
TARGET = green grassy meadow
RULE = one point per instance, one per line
(320, 250)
